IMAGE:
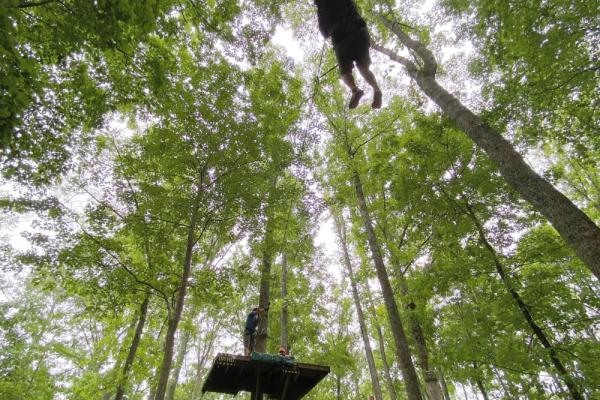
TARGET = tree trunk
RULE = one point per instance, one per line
(432, 385)
(575, 227)
(464, 388)
(174, 319)
(355, 379)
(207, 349)
(283, 342)
(537, 330)
(409, 374)
(500, 379)
(482, 389)
(178, 364)
(386, 366)
(341, 231)
(444, 386)
(137, 336)
(263, 301)
(480, 382)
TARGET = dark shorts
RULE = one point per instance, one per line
(351, 44)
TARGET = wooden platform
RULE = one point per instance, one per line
(232, 374)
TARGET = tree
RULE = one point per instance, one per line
(351, 163)
(341, 233)
(576, 228)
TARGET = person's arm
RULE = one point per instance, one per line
(260, 309)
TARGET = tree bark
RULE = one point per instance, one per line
(432, 384)
(283, 342)
(29, 4)
(178, 364)
(341, 231)
(464, 388)
(500, 379)
(409, 374)
(482, 389)
(263, 301)
(174, 319)
(137, 336)
(386, 366)
(262, 330)
(444, 386)
(575, 227)
(480, 383)
(537, 330)
(209, 340)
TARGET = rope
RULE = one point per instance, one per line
(330, 69)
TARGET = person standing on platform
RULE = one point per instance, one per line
(250, 329)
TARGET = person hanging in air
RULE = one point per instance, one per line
(339, 19)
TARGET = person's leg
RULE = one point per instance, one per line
(247, 343)
(345, 61)
(372, 81)
(252, 343)
(348, 79)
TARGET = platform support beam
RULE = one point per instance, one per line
(285, 386)
(257, 394)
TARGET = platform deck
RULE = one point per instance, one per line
(232, 374)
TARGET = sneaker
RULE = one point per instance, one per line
(376, 100)
(355, 99)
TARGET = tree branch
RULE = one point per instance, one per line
(427, 57)
(31, 4)
(409, 65)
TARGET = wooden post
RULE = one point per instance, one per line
(257, 394)
(285, 386)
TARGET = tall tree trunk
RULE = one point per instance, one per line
(500, 379)
(135, 342)
(444, 386)
(338, 387)
(432, 385)
(341, 231)
(464, 388)
(263, 301)
(575, 227)
(409, 374)
(174, 319)
(355, 380)
(262, 330)
(207, 349)
(537, 330)
(482, 389)
(283, 342)
(178, 364)
(386, 366)
(480, 382)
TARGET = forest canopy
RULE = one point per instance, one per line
(166, 166)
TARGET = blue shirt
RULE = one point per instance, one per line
(252, 321)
